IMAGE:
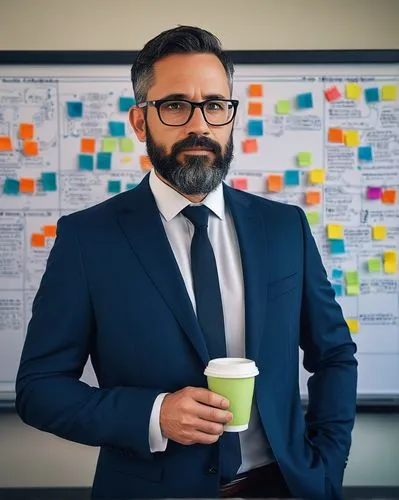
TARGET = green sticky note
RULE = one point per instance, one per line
(352, 289)
(11, 186)
(126, 145)
(49, 181)
(114, 186)
(109, 144)
(313, 218)
(304, 158)
(374, 265)
(352, 278)
(283, 107)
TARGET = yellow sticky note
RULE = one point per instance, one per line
(379, 232)
(352, 138)
(390, 256)
(390, 267)
(335, 231)
(353, 91)
(390, 261)
(389, 92)
(316, 176)
(353, 325)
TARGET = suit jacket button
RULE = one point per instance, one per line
(212, 470)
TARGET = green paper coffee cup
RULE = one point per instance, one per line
(234, 379)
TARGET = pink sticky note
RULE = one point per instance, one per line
(332, 94)
(240, 183)
(374, 193)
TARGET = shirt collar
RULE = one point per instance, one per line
(170, 203)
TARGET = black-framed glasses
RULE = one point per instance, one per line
(178, 112)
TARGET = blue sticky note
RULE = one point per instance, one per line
(291, 177)
(131, 185)
(337, 246)
(338, 289)
(255, 128)
(75, 109)
(86, 162)
(125, 103)
(337, 273)
(114, 186)
(49, 181)
(365, 153)
(372, 95)
(11, 186)
(304, 101)
(104, 161)
(116, 129)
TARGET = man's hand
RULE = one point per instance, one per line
(194, 415)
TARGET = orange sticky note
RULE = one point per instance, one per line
(389, 196)
(250, 146)
(5, 143)
(255, 90)
(313, 198)
(26, 185)
(50, 231)
(31, 148)
(275, 183)
(240, 183)
(37, 240)
(87, 145)
(255, 108)
(26, 131)
(335, 135)
(145, 163)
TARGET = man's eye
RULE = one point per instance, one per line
(173, 106)
(215, 106)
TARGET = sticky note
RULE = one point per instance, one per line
(389, 196)
(145, 163)
(338, 289)
(255, 108)
(365, 153)
(304, 159)
(316, 176)
(313, 198)
(26, 130)
(11, 186)
(125, 103)
(30, 148)
(336, 135)
(374, 265)
(274, 183)
(389, 92)
(87, 145)
(131, 185)
(37, 240)
(114, 186)
(255, 128)
(352, 289)
(337, 246)
(255, 90)
(5, 143)
(49, 181)
(353, 91)
(240, 183)
(291, 178)
(332, 94)
(304, 101)
(250, 146)
(104, 161)
(353, 325)
(352, 138)
(374, 193)
(109, 144)
(313, 218)
(390, 261)
(26, 185)
(390, 267)
(283, 107)
(86, 162)
(372, 94)
(75, 109)
(126, 145)
(337, 273)
(335, 231)
(50, 230)
(379, 232)
(390, 255)
(351, 277)
(116, 129)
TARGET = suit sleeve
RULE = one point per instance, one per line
(49, 394)
(329, 356)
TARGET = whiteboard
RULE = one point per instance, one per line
(39, 95)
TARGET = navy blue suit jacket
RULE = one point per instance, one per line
(112, 290)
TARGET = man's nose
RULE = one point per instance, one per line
(197, 124)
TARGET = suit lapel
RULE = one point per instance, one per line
(140, 221)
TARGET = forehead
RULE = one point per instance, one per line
(189, 74)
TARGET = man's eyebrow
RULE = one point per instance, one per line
(186, 97)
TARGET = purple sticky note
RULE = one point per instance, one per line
(374, 193)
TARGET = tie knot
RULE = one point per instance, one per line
(197, 215)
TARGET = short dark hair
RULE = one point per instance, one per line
(180, 40)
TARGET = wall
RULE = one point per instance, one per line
(32, 458)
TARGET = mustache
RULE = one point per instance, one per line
(196, 141)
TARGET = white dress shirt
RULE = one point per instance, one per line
(255, 449)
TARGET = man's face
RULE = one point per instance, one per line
(195, 157)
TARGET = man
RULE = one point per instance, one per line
(151, 293)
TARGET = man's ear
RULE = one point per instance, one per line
(137, 121)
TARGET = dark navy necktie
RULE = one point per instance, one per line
(210, 317)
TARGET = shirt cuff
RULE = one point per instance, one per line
(157, 441)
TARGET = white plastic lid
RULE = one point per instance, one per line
(231, 368)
